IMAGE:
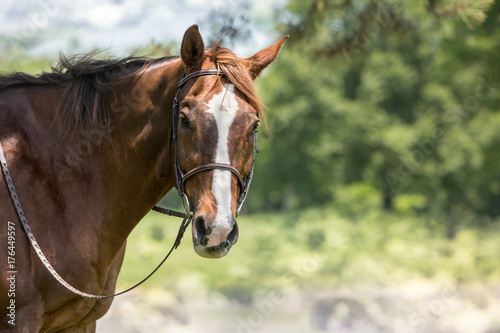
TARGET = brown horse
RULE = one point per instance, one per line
(90, 150)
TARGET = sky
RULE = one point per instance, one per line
(48, 27)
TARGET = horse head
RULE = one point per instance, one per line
(218, 113)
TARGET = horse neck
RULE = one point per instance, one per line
(137, 169)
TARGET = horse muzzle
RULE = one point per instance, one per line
(213, 240)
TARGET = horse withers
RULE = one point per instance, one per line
(94, 145)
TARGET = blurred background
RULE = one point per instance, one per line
(376, 200)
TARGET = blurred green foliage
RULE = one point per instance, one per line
(383, 146)
(374, 106)
(388, 104)
(313, 250)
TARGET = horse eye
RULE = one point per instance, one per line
(184, 120)
(256, 126)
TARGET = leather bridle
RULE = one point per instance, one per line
(182, 176)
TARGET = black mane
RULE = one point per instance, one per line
(101, 71)
(83, 106)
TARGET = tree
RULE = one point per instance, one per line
(389, 98)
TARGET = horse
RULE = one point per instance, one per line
(94, 144)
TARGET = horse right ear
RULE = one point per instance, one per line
(263, 58)
(192, 47)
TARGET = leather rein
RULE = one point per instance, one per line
(181, 178)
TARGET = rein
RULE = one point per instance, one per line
(46, 263)
(181, 178)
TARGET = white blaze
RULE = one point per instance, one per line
(224, 108)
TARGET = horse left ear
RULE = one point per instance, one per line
(192, 46)
(262, 59)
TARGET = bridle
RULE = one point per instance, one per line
(181, 178)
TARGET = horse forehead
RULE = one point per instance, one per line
(227, 110)
(223, 105)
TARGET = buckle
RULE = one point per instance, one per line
(186, 207)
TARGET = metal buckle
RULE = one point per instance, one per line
(185, 206)
(243, 194)
(238, 209)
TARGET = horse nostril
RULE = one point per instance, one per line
(201, 231)
(227, 244)
(204, 241)
(209, 230)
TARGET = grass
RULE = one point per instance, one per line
(310, 250)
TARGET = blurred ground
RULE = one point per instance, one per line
(313, 271)
(414, 307)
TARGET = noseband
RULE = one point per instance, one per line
(182, 176)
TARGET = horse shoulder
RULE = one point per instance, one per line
(52, 201)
